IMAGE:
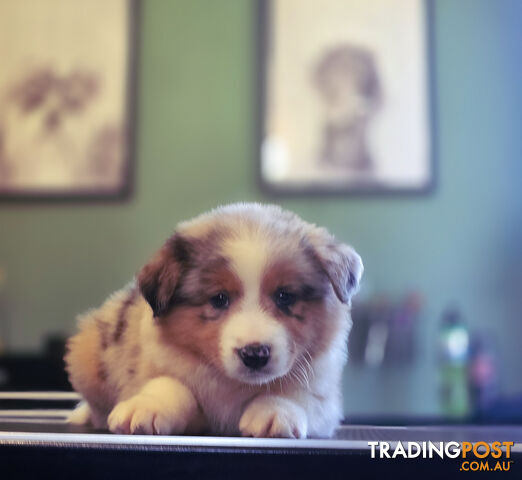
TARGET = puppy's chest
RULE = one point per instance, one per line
(222, 402)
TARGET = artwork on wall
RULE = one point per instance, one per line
(66, 98)
(345, 96)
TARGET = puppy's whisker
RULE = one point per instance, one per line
(306, 372)
(303, 374)
(309, 362)
(299, 378)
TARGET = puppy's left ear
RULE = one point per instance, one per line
(159, 278)
(343, 266)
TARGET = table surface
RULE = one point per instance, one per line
(53, 432)
(37, 442)
(43, 425)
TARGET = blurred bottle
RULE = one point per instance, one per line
(379, 320)
(483, 374)
(454, 355)
(400, 349)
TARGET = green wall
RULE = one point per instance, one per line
(196, 149)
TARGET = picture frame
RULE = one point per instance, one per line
(67, 100)
(345, 97)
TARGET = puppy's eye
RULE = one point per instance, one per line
(220, 301)
(284, 299)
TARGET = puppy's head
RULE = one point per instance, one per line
(251, 290)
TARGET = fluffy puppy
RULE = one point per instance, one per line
(238, 325)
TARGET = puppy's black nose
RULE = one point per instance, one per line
(254, 355)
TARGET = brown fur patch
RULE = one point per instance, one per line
(199, 337)
(102, 372)
(121, 323)
(193, 323)
(209, 279)
(309, 320)
(180, 270)
(296, 274)
(134, 359)
(103, 327)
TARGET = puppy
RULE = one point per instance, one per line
(238, 325)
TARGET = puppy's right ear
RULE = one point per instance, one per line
(341, 263)
(159, 278)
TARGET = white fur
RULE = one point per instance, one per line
(80, 415)
(274, 416)
(251, 324)
(163, 406)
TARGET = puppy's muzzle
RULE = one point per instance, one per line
(254, 355)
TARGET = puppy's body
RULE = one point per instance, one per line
(237, 326)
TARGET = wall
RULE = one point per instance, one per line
(196, 148)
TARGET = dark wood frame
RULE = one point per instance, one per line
(127, 188)
(262, 48)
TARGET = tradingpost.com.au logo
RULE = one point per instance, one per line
(477, 456)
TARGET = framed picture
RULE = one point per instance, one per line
(345, 97)
(66, 98)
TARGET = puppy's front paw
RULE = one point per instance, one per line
(145, 415)
(273, 417)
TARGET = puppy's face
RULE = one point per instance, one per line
(253, 291)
